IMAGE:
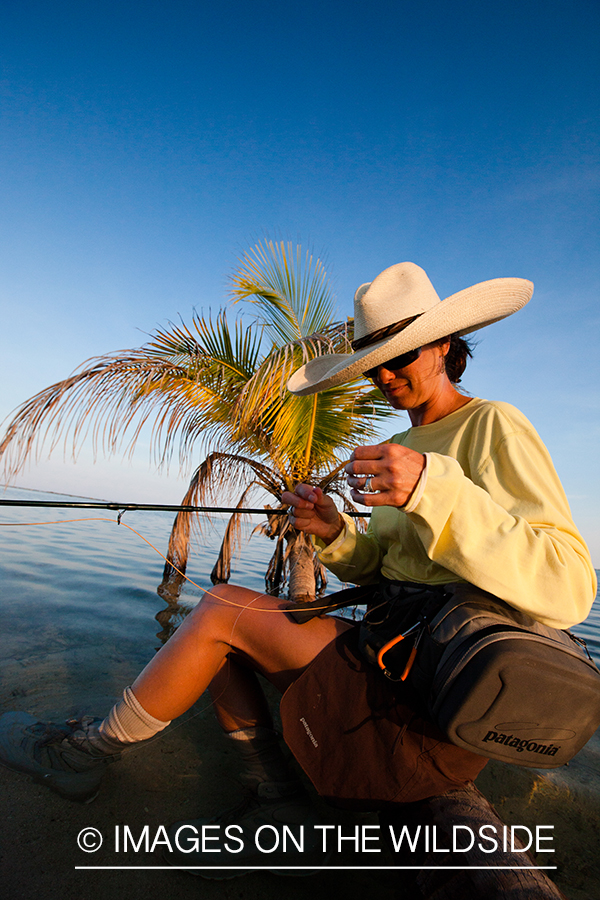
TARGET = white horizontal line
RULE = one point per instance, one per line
(327, 868)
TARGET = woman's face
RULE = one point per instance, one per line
(418, 384)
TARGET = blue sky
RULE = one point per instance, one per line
(144, 146)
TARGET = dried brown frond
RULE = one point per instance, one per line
(218, 473)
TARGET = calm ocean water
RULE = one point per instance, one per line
(79, 600)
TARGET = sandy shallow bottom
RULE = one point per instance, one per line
(190, 772)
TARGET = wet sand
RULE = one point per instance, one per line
(568, 799)
(190, 771)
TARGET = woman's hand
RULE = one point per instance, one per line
(313, 512)
(394, 470)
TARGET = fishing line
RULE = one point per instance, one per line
(119, 521)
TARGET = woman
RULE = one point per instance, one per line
(468, 494)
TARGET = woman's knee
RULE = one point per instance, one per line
(213, 605)
(224, 603)
(232, 596)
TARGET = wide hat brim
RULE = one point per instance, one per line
(462, 313)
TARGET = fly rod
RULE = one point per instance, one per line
(154, 507)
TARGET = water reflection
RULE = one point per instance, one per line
(175, 612)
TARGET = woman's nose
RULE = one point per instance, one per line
(385, 375)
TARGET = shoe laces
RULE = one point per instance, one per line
(78, 733)
(49, 733)
(73, 735)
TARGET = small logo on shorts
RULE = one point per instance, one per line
(313, 739)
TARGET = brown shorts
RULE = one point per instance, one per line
(358, 739)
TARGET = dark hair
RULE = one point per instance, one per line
(456, 358)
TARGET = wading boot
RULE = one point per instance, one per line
(70, 759)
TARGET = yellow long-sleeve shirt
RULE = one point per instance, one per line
(492, 512)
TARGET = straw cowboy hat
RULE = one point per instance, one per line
(401, 311)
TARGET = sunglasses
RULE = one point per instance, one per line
(398, 362)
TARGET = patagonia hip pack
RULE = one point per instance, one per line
(495, 681)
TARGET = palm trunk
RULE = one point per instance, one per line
(302, 568)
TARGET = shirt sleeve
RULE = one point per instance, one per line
(508, 530)
(353, 556)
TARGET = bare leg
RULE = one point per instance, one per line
(243, 713)
(230, 619)
(238, 699)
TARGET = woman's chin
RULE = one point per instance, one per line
(399, 398)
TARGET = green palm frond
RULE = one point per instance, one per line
(186, 383)
(206, 343)
(316, 432)
(289, 288)
(307, 434)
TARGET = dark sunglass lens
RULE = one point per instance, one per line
(398, 362)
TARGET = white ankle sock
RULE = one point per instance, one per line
(255, 732)
(128, 721)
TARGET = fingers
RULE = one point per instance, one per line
(303, 497)
(376, 460)
(365, 484)
(379, 498)
(366, 488)
(378, 475)
(367, 492)
(301, 521)
(384, 474)
(312, 511)
(367, 460)
(301, 509)
(372, 451)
